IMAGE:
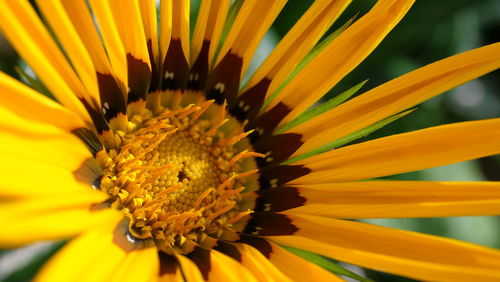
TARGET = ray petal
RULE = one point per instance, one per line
(189, 269)
(405, 152)
(150, 23)
(60, 22)
(394, 199)
(58, 217)
(102, 11)
(112, 88)
(259, 265)
(289, 52)
(32, 106)
(397, 95)
(215, 266)
(34, 43)
(405, 253)
(252, 22)
(93, 256)
(139, 265)
(207, 33)
(298, 42)
(36, 134)
(295, 267)
(175, 44)
(225, 268)
(343, 54)
(165, 27)
(209, 26)
(128, 22)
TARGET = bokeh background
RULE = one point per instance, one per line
(432, 30)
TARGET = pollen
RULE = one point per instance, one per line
(177, 177)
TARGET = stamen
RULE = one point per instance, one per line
(243, 155)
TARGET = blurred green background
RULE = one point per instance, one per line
(432, 30)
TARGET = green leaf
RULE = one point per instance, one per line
(308, 58)
(316, 111)
(327, 263)
(349, 138)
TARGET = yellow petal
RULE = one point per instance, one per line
(259, 265)
(26, 33)
(380, 199)
(297, 268)
(224, 268)
(60, 22)
(93, 256)
(209, 24)
(83, 23)
(397, 95)
(298, 42)
(252, 22)
(189, 269)
(128, 21)
(149, 21)
(343, 54)
(31, 146)
(405, 152)
(103, 14)
(180, 24)
(215, 266)
(58, 217)
(165, 27)
(174, 70)
(139, 265)
(32, 106)
(418, 256)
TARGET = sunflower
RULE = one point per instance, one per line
(160, 164)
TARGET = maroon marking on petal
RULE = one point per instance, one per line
(175, 68)
(155, 75)
(199, 71)
(269, 224)
(112, 96)
(139, 77)
(228, 250)
(224, 82)
(201, 257)
(168, 264)
(89, 138)
(276, 176)
(248, 104)
(268, 121)
(279, 199)
(98, 119)
(260, 244)
(279, 146)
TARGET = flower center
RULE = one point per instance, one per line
(177, 178)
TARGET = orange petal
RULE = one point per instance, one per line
(396, 199)
(405, 152)
(418, 256)
(397, 95)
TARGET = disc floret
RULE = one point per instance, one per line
(176, 177)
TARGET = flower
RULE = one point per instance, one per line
(161, 165)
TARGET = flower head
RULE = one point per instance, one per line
(161, 164)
